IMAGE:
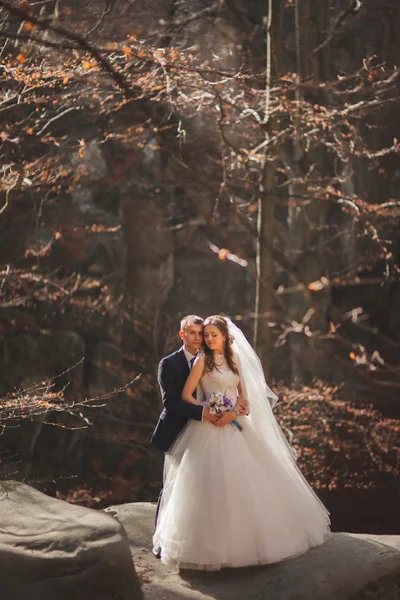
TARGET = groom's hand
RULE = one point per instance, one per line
(207, 416)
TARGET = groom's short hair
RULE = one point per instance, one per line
(191, 320)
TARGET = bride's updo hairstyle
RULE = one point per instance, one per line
(222, 325)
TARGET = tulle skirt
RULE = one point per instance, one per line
(229, 501)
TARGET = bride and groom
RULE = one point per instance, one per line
(232, 494)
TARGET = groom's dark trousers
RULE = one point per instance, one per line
(172, 374)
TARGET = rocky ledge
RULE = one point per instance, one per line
(348, 567)
(52, 550)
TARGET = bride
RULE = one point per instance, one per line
(233, 495)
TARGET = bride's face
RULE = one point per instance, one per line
(214, 339)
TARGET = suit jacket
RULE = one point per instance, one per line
(172, 374)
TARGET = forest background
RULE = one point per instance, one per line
(174, 157)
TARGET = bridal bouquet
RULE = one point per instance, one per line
(218, 403)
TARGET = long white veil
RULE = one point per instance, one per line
(260, 398)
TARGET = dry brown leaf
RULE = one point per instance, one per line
(223, 254)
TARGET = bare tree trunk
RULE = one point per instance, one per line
(266, 204)
(265, 267)
(306, 224)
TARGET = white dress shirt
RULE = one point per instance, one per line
(188, 355)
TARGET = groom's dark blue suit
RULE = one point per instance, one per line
(172, 374)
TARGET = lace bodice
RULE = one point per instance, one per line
(221, 379)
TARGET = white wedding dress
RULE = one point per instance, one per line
(228, 499)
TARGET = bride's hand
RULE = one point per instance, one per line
(226, 418)
(241, 408)
(207, 416)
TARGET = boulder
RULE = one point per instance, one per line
(50, 549)
(347, 567)
(149, 251)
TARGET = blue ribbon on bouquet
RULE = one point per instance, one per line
(236, 425)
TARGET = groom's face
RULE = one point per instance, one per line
(192, 337)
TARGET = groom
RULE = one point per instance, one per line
(172, 374)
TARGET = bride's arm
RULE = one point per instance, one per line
(242, 406)
(192, 381)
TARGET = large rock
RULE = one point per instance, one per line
(53, 550)
(149, 248)
(105, 368)
(348, 567)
